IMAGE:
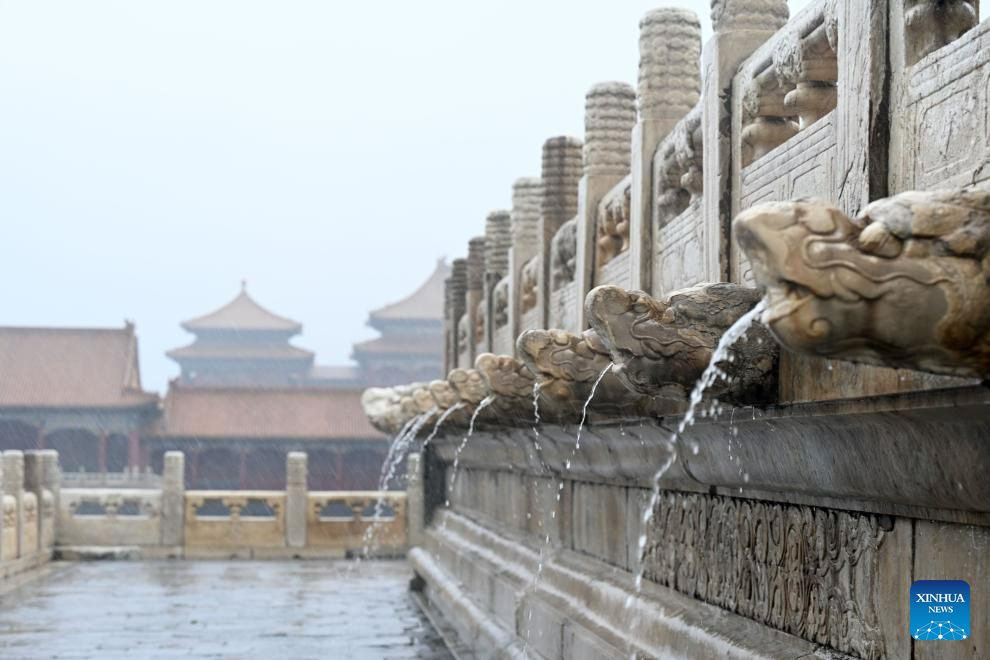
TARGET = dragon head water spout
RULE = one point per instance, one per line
(902, 284)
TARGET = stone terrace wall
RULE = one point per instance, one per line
(790, 529)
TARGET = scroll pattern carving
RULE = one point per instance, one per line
(563, 255)
(612, 227)
(808, 571)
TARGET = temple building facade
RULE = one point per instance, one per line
(410, 345)
(76, 390)
(245, 396)
(242, 343)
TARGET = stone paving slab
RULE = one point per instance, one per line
(229, 610)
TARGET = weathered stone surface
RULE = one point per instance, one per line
(661, 347)
(931, 24)
(842, 287)
(511, 382)
(567, 366)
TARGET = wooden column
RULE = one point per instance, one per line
(101, 452)
(134, 451)
(242, 474)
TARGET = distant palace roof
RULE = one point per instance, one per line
(215, 351)
(285, 413)
(408, 344)
(71, 368)
(426, 303)
(242, 313)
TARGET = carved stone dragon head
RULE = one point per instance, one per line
(903, 284)
(662, 347)
(567, 367)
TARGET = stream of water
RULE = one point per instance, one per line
(487, 401)
(396, 452)
(708, 378)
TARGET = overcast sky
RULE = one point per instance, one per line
(154, 153)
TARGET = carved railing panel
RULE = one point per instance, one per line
(808, 571)
(119, 516)
(612, 236)
(235, 519)
(340, 520)
(941, 129)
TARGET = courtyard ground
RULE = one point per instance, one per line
(217, 610)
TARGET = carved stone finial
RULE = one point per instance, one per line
(527, 201)
(562, 167)
(457, 288)
(931, 24)
(567, 367)
(661, 347)
(476, 263)
(903, 284)
(498, 241)
(609, 117)
(669, 50)
(764, 15)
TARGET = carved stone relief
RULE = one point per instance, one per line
(563, 255)
(931, 24)
(842, 287)
(808, 571)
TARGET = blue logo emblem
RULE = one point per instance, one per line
(940, 609)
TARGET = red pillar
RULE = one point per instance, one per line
(134, 451)
(194, 469)
(101, 452)
(242, 475)
(338, 471)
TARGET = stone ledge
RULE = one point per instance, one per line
(856, 454)
(581, 598)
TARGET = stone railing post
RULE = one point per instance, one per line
(415, 512)
(475, 296)
(669, 42)
(527, 198)
(741, 26)
(173, 499)
(51, 482)
(296, 499)
(455, 290)
(33, 483)
(609, 117)
(498, 241)
(13, 485)
(562, 164)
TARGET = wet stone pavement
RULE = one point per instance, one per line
(218, 609)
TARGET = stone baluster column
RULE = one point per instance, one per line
(13, 485)
(415, 511)
(669, 44)
(51, 482)
(296, 499)
(173, 499)
(33, 483)
(562, 165)
(527, 199)
(475, 295)
(498, 240)
(609, 118)
(456, 290)
(931, 24)
(741, 26)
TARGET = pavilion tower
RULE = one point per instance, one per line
(242, 344)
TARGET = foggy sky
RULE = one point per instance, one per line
(155, 153)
